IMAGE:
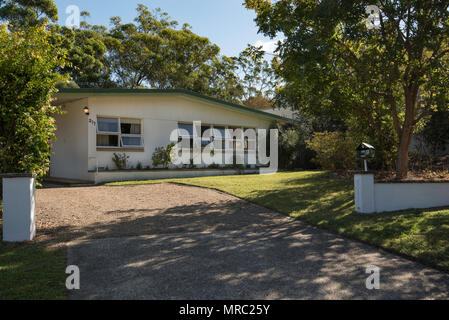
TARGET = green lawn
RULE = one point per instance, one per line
(31, 271)
(314, 198)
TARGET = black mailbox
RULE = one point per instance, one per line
(365, 151)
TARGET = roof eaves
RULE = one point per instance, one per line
(102, 92)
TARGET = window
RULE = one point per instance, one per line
(189, 128)
(186, 126)
(250, 141)
(109, 134)
(108, 125)
(104, 140)
(131, 133)
(220, 131)
(206, 139)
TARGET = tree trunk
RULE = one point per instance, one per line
(402, 168)
(405, 139)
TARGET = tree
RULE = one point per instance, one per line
(86, 50)
(87, 61)
(135, 53)
(393, 71)
(257, 75)
(153, 52)
(26, 13)
(223, 81)
(29, 63)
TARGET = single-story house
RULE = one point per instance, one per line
(96, 123)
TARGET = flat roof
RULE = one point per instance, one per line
(91, 92)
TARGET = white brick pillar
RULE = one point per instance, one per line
(364, 193)
(19, 198)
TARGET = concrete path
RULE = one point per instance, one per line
(287, 261)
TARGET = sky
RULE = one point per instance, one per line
(226, 23)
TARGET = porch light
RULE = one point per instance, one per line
(86, 110)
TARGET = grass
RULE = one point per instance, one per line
(31, 271)
(327, 203)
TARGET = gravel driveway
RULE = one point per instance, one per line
(169, 241)
(109, 212)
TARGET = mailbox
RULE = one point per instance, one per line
(365, 151)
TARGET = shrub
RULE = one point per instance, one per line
(436, 133)
(293, 151)
(139, 166)
(29, 65)
(162, 156)
(334, 150)
(120, 160)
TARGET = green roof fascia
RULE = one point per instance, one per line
(72, 92)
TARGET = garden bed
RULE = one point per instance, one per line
(390, 176)
(126, 175)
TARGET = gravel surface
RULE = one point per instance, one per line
(64, 214)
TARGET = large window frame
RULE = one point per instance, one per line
(245, 141)
(120, 136)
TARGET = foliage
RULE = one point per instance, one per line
(394, 72)
(27, 13)
(120, 160)
(293, 150)
(86, 55)
(139, 166)
(29, 61)
(258, 78)
(386, 151)
(153, 52)
(334, 150)
(163, 156)
(436, 132)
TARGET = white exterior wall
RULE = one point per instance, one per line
(373, 197)
(69, 159)
(76, 153)
(364, 193)
(401, 196)
(160, 115)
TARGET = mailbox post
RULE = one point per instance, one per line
(365, 151)
(19, 200)
(364, 182)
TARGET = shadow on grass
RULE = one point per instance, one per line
(421, 234)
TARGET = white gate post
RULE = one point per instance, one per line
(364, 193)
(19, 198)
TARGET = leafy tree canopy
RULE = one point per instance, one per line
(25, 13)
(391, 73)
